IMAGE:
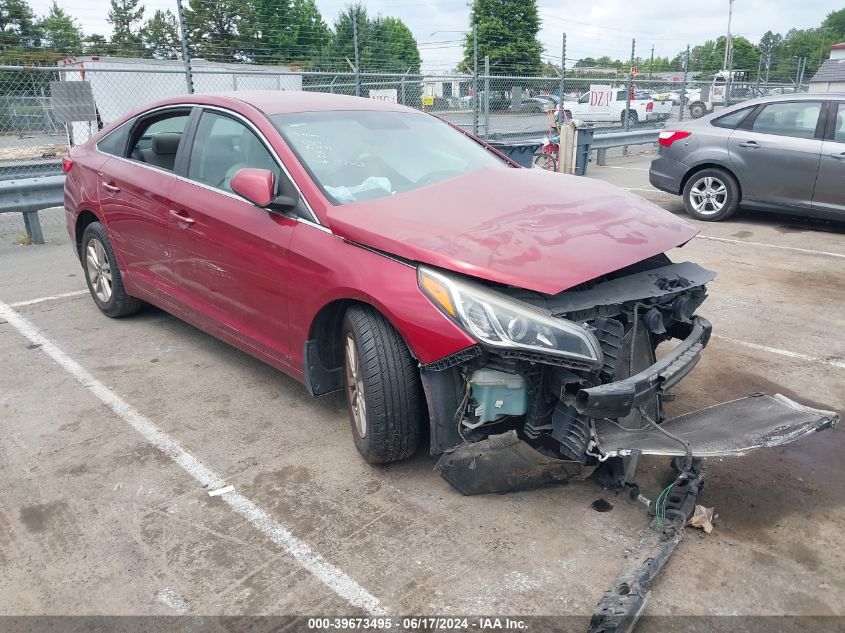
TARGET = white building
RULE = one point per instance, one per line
(121, 84)
(830, 77)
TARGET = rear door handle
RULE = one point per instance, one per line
(839, 156)
(749, 144)
(182, 218)
(110, 187)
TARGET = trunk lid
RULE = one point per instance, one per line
(527, 228)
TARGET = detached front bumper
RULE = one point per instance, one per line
(620, 398)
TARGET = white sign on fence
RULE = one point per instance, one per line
(387, 94)
(600, 96)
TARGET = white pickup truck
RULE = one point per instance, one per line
(603, 104)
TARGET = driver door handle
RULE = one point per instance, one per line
(110, 187)
(182, 218)
(749, 144)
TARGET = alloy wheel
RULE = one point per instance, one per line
(99, 270)
(708, 195)
(355, 387)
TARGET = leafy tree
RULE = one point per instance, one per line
(18, 27)
(288, 31)
(160, 35)
(97, 45)
(125, 17)
(61, 32)
(835, 22)
(222, 30)
(507, 32)
(384, 43)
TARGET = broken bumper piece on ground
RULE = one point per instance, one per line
(505, 463)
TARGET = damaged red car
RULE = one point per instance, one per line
(510, 315)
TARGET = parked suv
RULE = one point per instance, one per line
(784, 153)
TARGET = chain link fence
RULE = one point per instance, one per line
(35, 130)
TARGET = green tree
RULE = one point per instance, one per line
(160, 35)
(223, 30)
(96, 44)
(507, 32)
(60, 32)
(835, 22)
(18, 27)
(385, 44)
(125, 17)
(288, 31)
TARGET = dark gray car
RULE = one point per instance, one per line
(783, 153)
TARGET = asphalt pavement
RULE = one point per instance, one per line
(115, 432)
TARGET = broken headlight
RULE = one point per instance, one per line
(501, 322)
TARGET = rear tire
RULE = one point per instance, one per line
(102, 274)
(697, 110)
(711, 195)
(382, 384)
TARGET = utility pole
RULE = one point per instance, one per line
(651, 65)
(562, 77)
(728, 40)
(626, 119)
(759, 68)
(768, 64)
(475, 79)
(357, 60)
(189, 77)
(684, 86)
(486, 96)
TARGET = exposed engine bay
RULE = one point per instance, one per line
(531, 405)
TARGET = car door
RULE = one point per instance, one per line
(133, 192)
(230, 257)
(829, 194)
(776, 152)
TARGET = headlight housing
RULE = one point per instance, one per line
(504, 323)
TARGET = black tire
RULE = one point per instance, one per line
(117, 303)
(632, 118)
(696, 199)
(697, 110)
(390, 382)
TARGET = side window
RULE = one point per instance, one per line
(796, 119)
(839, 125)
(621, 95)
(733, 119)
(222, 146)
(156, 140)
(114, 142)
(585, 98)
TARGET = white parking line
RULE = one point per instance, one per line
(623, 167)
(335, 579)
(840, 364)
(785, 248)
(64, 295)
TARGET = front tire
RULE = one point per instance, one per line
(103, 275)
(711, 195)
(382, 385)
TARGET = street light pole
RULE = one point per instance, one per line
(728, 40)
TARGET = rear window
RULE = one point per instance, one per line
(114, 142)
(733, 119)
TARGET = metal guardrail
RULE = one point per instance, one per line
(603, 142)
(29, 196)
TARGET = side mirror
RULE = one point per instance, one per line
(256, 185)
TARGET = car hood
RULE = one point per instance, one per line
(527, 228)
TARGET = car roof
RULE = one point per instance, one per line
(288, 101)
(796, 96)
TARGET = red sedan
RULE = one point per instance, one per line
(359, 245)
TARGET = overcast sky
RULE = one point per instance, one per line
(593, 27)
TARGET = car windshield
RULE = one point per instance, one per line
(363, 155)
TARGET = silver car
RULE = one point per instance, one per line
(783, 153)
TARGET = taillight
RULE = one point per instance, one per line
(67, 163)
(649, 106)
(667, 137)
